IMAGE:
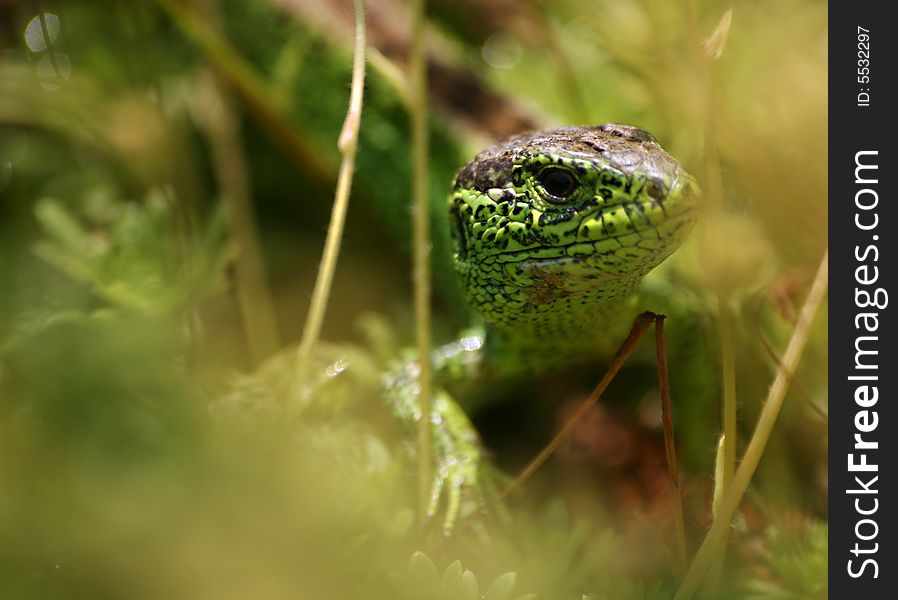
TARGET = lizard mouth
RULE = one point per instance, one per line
(643, 241)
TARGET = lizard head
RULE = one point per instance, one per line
(553, 227)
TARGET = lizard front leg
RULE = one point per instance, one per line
(457, 451)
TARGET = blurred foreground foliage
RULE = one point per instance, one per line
(148, 450)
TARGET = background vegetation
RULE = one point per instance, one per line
(166, 175)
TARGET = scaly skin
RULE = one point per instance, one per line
(552, 231)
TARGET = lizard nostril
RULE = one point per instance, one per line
(657, 192)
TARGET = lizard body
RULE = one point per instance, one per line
(552, 231)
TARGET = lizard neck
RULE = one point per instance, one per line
(559, 342)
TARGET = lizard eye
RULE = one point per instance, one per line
(557, 183)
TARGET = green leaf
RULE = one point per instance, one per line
(452, 581)
(470, 587)
(502, 587)
(422, 573)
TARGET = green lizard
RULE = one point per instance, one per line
(552, 231)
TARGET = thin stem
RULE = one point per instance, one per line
(421, 246)
(728, 358)
(729, 437)
(670, 447)
(348, 143)
(769, 414)
(712, 185)
(640, 324)
(232, 175)
(45, 32)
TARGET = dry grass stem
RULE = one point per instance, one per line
(773, 404)
(347, 144)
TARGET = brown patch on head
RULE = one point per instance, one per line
(635, 134)
(623, 147)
